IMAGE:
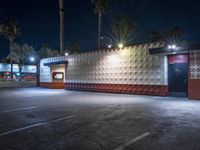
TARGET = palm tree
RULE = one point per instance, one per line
(11, 30)
(73, 48)
(45, 52)
(61, 5)
(171, 36)
(100, 6)
(155, 36)
(21, 55)
(122, 29)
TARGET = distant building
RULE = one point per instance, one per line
(149, 69)
(28, 72)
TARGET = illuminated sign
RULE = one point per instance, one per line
(58, 75)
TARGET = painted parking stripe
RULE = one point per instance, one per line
(35, 125)
(122, 147)
(20, 129)
(20, 109)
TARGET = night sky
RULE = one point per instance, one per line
(39, 20)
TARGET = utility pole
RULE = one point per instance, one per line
(61, 10)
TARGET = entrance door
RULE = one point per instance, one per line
(178, 75)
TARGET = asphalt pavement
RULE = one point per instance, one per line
(35, 118)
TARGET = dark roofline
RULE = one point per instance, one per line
(128, 45)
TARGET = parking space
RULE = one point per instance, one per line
(37, 118)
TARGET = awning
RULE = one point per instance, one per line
(166, 51)
(56, 63)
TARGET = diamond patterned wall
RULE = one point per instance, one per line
(131, 65)
(195, 65)
(128, 70)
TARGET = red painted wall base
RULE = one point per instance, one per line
(194, 89)
(52, 85)
(161, 90)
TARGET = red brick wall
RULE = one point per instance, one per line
(161, 90)
(194, 88)
(194, 75)
(52, 85)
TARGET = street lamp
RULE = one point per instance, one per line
(109, 39)
(109, 46)
(66, 54)
(120, 45)
(32, 59)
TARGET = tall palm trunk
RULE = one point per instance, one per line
(100, 34)
(61, 4)
(37, 74)
(20, 71)
(11, 59)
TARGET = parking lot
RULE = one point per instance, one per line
(45, 119)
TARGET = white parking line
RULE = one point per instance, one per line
(20, 109)
(35, 125)
(122, 147)
(20, 129)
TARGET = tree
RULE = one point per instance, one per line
(10, 30)
(171, 36)
(155, 36)
(61, 6)
(73, 48)
(5, 60)
(44, 52)
(174, 35)
(21, 54)
(122, 29)
(100, 7)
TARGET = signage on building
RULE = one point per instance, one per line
(58, 75)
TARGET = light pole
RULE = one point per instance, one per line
(33, 60)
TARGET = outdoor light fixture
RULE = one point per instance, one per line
(174, 52)
(120, 45)
(110, 46)
(66, 54)
(173, 46)
(32, 58)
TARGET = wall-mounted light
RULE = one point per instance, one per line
(120, 45)
(109, 46)
(173, 46)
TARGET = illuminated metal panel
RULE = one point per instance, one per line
(131, 65)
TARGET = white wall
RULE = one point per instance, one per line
(45, 71)
(45, 74)
(131, 65)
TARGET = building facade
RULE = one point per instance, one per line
(28, 72)
(132, 70)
